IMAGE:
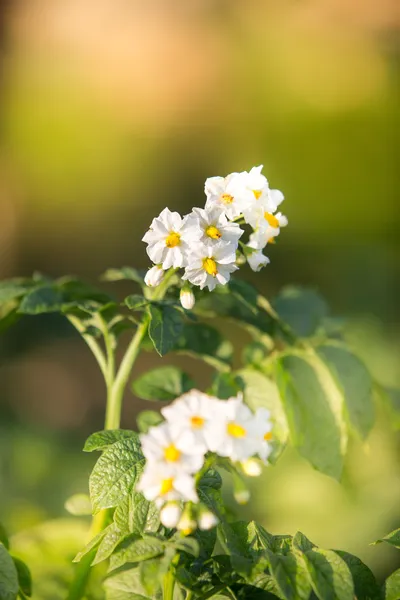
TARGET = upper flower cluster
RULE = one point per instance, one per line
(196, 424)
(206, 242)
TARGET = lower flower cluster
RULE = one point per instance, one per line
(198, 425)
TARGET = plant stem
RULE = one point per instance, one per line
(92, 343)
(168, 587)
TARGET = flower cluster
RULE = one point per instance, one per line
(206, 243)
(196, 425)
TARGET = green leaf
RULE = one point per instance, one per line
(8, 576)
(255, 353)
(166, 326)
(4, 537)
(290, 576)
(24, 576)
(94, 543)
(303, 310)
(365, 585)
(226, 385)
(164, 383)
(391, 587)
(101, 440)
(186, 544)
(132, 550)
(43, 299)
(260, 391)
(150, 572)
(391, 399)
(147, 419)
(78, 505)
(212, 479)
(206, 342)
(232, 540)
(314, 410)
(329, 575)
(115, 473)
(258, 539)
(137, 515)
(109, 542)
(302, 543)
(124, 273)
(249, 592)
(125, 584)
(12, 289)
(136, 302)
(392, 538)
(9, 315)
(355, 383)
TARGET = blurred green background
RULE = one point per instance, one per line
(113, 109)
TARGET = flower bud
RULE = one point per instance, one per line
(187, 524)
(251, 467)
(170, 514)
(187, 297)
(207, 520)
(242, 496)
(154, 276)
(257, 260)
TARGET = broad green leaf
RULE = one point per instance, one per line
(186, 544)
(355, 383)
(206, 342)
(8, 576)
(329, 575)
(9, 315)
(314, 410)
(392, 538)
(124, 273)
(150, 572)
(24, 576)
(212, 479)
(231, 539)
(4, 537)
(78, 505)
(90, 546)
(147, 419)
(101, 440)
(136, 302)
(290, 576)
(43, 299)
(365, 585)
(137, 515)
(303, 310)
(243, 591)
(133, 550)
(301, 542)
(282, 544)
(255, 353)
(226, 385)
(11, 289)
(115, 474)
(125, 584)
(391, 399)
(260, 391)
(166, 326)
(258, 539)
(109, 542)
(165, 383)
(391, 587)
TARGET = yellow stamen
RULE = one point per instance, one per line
(174, 239)
(210, 266)
(213, 232)
(172, 454)
(236, 430)
(197, 422)
(167, 485)
(271, 219)
(268, 436)
(272, 240)
(257, 193)
(227, 198)
(187, 531)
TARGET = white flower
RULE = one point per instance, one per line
(163, 484)
(251, 467)
(257, 260)
(236, 434)
(268, 227)
(207, 520)
(167, 240)
(187, 298)
(209, 266)
(211, 226)
(193, 413)
(226, 194)
(176, 453)
(263, 432)
(170, 514)
(154, 276)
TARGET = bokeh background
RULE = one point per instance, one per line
(113, 109)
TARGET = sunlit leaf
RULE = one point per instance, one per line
(165, 383)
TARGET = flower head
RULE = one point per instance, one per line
(167, 240)
(163, 484)
(187, 298)
(257, 260)
(225, 194)
(210, 226)
(170, 514)
(209, 266)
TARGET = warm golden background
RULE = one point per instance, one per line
(112, 109)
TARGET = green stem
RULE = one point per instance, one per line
(168, 587)
(92, 343)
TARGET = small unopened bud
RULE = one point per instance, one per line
(154, 276)
(251, 467)
(240, 491)
(242, 496)
(257, 260)
(170, 515)
(187, 524)
(207, 520)
(187, 298)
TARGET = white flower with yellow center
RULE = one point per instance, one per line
(211, 226)
(257, 260)
(235, 435)
(163, 484)
(264, 433)
(225, 194)
(268, 228)
(167, 240)
(259, 204)
(211, 265)
(178, 454)
(193, 415)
